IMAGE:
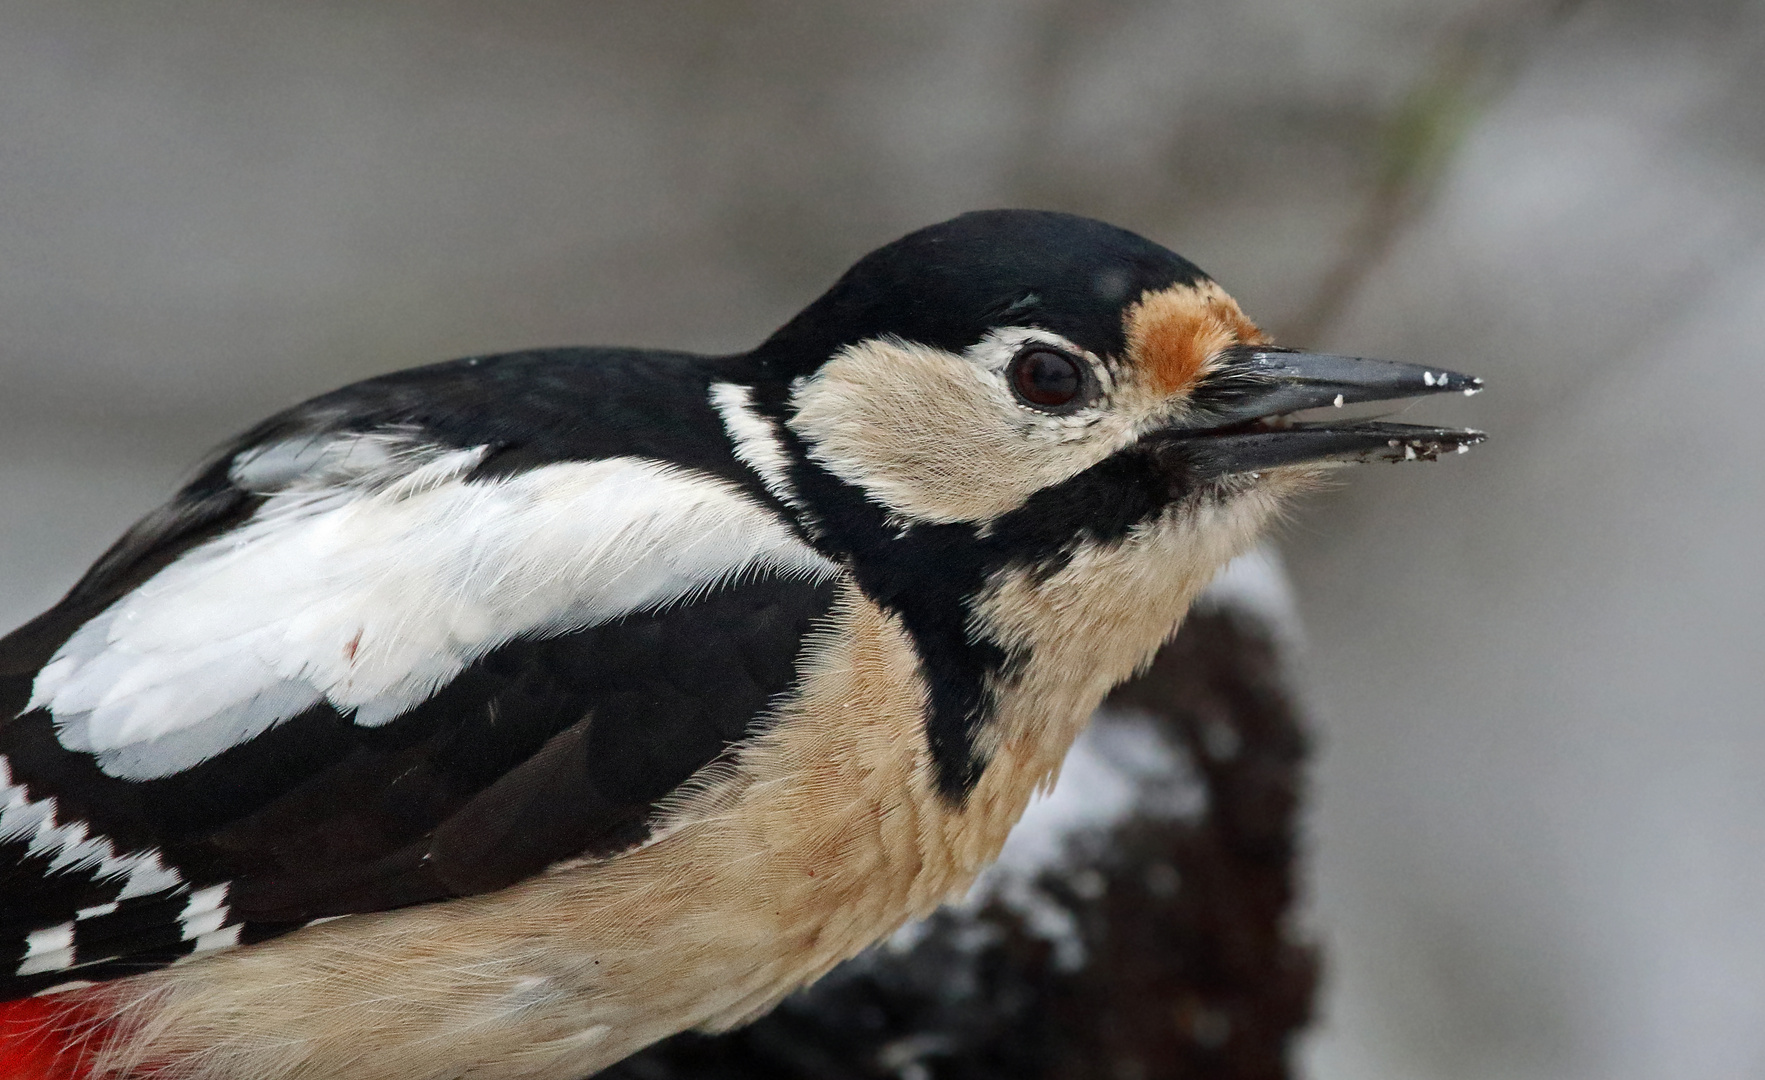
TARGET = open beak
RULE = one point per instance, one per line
(1240, 422)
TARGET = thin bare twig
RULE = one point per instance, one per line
(1476, 62)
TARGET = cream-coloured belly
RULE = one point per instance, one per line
(824, 834)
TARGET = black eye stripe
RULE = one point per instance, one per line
(1047, 378)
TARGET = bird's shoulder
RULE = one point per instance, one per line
(417, 638)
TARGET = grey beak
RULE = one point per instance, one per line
(1236, 427)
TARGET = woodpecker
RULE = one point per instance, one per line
(500, 717)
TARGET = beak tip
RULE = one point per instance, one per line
(1428, 445)
(1436, 383)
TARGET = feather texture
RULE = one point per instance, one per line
(373, 657)
(372, 600)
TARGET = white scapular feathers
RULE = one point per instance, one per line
(373, 574)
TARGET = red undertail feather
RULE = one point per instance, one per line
(47, 1038)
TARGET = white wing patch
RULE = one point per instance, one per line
(373, 575)
(371, 460)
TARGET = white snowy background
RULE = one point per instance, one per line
(1537, 836)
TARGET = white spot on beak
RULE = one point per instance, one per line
(1427, 378)
(1338, 401)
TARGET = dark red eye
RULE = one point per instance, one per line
(1046, 378)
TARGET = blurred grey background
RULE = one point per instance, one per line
(1537, 831)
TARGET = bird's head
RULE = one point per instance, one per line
(1036, 436)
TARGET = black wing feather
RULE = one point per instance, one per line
(541, 750)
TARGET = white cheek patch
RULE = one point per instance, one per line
(372, 598)
(936, 436)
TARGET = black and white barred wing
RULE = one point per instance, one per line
(351, 671)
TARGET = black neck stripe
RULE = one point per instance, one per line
(931, 576)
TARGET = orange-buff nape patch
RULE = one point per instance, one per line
(48, 1038)
(1174, 333)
